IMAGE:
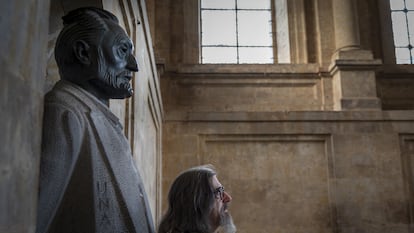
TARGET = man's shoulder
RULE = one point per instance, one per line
(66, 95)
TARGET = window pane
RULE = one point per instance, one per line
(399, 25)
(218, 27)
(218, 4)
(255, 28)
(402, 55)
(256, 55)
(409, 4)
(410, 16)
(397, 4)
(253, 4)
(219, 55)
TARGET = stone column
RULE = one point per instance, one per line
(346, 25)
(352, 69)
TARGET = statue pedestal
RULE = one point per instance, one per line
(354, 85)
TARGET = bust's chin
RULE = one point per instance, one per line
(123, 91)
(120, 93)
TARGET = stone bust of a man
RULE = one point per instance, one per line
(88, 180)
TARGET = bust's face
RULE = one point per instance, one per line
(116, 64)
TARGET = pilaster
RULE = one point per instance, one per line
(352, 69)
(354, 85)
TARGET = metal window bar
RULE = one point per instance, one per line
(274, 30)
(240, 46)
(237, 34)
(409, 46)
(219, 9)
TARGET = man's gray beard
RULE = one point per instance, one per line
(226, 224)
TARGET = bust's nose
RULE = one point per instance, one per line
(132, 63)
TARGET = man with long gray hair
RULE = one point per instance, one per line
(197, 203)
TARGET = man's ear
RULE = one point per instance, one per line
(82, 52)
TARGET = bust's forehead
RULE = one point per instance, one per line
(116, 34)
(116, 29)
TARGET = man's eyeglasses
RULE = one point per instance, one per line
(219, 193)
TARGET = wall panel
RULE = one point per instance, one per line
(282, 179)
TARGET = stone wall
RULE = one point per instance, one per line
(284, 154)
(249, 88)
(302, 147)
(23, 61)
(307, 172)
(395, 87)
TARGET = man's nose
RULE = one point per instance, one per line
(132, 63)
(226, 197)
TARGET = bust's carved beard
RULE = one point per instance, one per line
(114, 86)
(119, 82)
(226, 223)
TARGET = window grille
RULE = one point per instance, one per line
(236, 31)
(402, 14)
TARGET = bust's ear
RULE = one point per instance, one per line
(82, 52)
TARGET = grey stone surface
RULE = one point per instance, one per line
(23, 42)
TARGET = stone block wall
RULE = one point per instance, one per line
(309, 146)
(395, 87)
(23, 44)
(302, 171)
(248, 88)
